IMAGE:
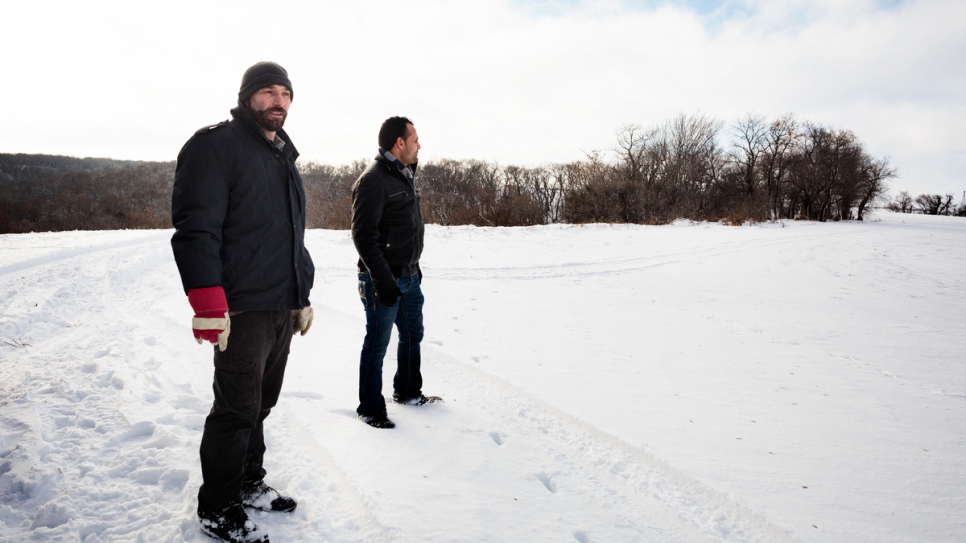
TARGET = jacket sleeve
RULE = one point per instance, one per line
(368, 202)
(199, 203)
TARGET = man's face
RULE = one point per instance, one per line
(269, 106)
(408, 147)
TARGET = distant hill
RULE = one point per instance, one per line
(49, 193)
(20, 166)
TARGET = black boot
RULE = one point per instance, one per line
(231, 525)
(416, 400)
(258, 495)
(378, 421)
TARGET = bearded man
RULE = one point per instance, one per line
(238, 210)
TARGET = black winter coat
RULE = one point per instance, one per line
(238, 210)
(387, 224)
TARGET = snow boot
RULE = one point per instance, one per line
(258, 495)
(230, 525)
(378, 421)
(416, 400)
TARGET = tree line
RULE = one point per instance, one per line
(691, 167)
(43, 193)
(928, 204)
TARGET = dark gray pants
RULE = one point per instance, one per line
(247, 383)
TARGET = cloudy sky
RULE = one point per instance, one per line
(524, 82)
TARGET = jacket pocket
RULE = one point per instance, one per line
(397, 201)
(399, 246)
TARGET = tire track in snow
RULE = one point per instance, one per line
(666, 498)
(66, 288)
(81, 252)
(493, 451)
(302, 467)
(623, 265)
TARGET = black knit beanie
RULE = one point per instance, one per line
(261, 75)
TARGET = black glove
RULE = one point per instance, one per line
(389, 299)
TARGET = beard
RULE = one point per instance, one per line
(267, 123)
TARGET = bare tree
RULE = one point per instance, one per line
(902, 203)
(667, 172)
(935, 204)
(739, 193)
(872, 182)
(591, 191)
(825, 174)
(752, 141)
(782, 140)
(328, 193)
(930, 204)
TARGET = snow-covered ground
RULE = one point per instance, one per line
(693, 382)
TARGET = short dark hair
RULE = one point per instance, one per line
(392, 128)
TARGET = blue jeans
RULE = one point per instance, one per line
(407, 315)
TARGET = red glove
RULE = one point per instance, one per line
(210, 322)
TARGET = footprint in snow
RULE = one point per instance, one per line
(190, 402)
(139, 431)
(107, 379)
(497, 438)
(89, 424)
(547, 482)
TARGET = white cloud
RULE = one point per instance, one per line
(513, 82)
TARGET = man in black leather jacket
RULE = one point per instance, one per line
(387, 229)
(238, 208)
